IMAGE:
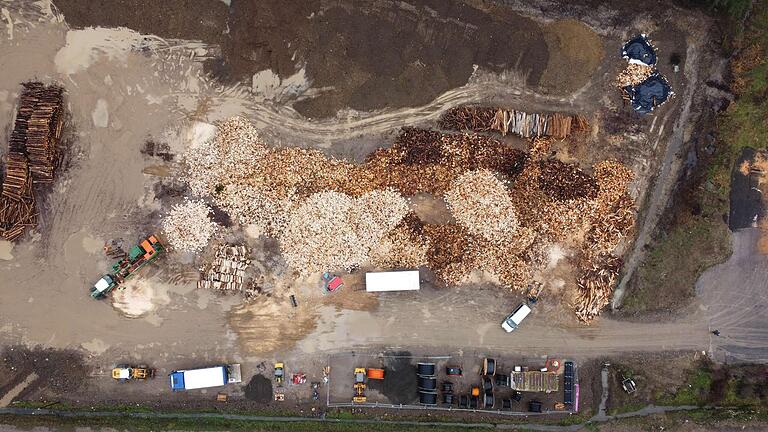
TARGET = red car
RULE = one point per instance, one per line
(332, 282)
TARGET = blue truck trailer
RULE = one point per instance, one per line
(215, 376)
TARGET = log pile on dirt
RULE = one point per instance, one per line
(227, 271)
(188, 226)
(634, 74)
(485, 119)
(596, 284)
(563, 181)
(33, 155)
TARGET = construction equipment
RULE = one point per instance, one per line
(138, 256)
(359, 386)
(298, 378)
(125, 373)
(332, 283)
(377, 374)
(279, 373)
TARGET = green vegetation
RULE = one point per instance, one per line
(666, 278)
(695, 391)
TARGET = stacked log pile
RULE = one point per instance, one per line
(227, 271)
(504, 121)
(33, 155)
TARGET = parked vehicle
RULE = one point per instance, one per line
(453, 371)
(138, 256)
(514, 319)
(190, 379)
(279, 373)
(125, 373)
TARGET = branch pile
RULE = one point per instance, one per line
(596, 284)
(188, 226)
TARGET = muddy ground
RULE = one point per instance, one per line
(124, 90)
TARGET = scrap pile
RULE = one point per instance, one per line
(504, 121)
(188, 226)
(227, 271)
(33, 154)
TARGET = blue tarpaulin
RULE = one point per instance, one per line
(639, 50)
(649, 94)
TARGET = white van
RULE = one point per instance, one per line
(515, 318)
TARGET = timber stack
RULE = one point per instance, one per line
(504, 121)
(33, 155)
(227, 271)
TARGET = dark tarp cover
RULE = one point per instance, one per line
(649, 94)
(639, 49)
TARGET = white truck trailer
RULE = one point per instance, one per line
(190, 379)
(392, 281)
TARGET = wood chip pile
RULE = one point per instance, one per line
(485, 119)
(227, 271)
(33, 155)
(188, 226)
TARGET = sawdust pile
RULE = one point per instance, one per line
(188, 226)
(331, 230)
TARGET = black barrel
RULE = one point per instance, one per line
(488, 403)
(427, 398)
(506, 404)
(447, 387)
(427, 383)
(425, 369)
(448, 398)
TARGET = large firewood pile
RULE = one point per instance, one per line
(33, 155)
(188, 226)
(509, 206)
(504, 121)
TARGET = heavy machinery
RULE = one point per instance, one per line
(359, 386)
(332, 283)
(138, 256)
(125, 373)
(279, 373)
(377, 374)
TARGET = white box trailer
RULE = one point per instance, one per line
(392, 281)
(191, 379)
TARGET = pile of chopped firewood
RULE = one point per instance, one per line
(634, 74)
(33, 155)
(188, 226)
(563, 181)
(227, 271)
(483, 119)
(596, 283)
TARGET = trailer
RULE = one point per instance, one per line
(534, 381)
(215, 376)
(392, 281)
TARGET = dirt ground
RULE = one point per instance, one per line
(146, 89)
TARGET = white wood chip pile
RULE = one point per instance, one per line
(188, 226)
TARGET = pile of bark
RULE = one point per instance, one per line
(505, 121)
(227, 271)
(33, 156)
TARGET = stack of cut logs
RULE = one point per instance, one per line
(483, 119)
(227, 272)
(33, 153)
